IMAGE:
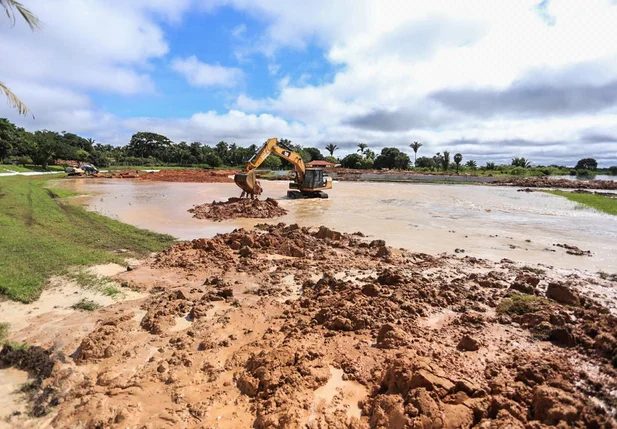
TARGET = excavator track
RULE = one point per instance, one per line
(298, 195)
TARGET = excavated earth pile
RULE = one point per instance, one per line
(238, 208)
(195, 176)
(287, 327)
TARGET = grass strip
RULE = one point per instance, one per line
(41, 236)
(598, 202)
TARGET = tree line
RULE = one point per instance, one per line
(46, 147)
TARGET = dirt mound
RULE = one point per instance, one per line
(324, 329)
(235, 208)
(108, 339)
(194, 176)
(119, 174)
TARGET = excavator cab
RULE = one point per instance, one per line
(312, 185)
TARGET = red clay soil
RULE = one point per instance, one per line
(118, 174)
(289, 327)
(194, 176)
(238, 208)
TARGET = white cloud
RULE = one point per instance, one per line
(201, 74)
(391, 59)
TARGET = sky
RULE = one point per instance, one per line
(489, 79)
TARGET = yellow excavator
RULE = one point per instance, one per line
(307, 183)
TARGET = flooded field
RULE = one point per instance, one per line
(488, 222)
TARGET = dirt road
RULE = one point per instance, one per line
(290, 327)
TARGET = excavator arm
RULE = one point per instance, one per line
(247, 180)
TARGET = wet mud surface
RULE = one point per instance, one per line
(235, 208)
(285, 327)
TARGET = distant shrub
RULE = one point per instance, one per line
(490, 166)
(583, 173)
(517, 171)
(573, 172)
(613, 170)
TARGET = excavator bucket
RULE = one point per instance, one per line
(248, 183)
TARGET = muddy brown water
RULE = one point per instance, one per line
(487, 222)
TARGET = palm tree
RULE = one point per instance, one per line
(471, 164)
(445, 160)
(11, 7)
(362, 147)
(457, 160)
(415, 146)
(331, 148)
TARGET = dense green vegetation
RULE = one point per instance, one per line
(42, 236)
(519, 304)
(598, 202)
(23, 149)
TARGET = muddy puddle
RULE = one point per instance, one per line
(487, 222)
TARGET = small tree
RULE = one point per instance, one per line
(272, 163)
(471, 164)
(425, 162)
(521, 162)
(331, 148)
(362, 147)
(415, 146)
(81, 155)
(445, 160)
(613, 170)
(353, 160)
(587, 164)
(457, 160)
(490, 166)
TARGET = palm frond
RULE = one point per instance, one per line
(10, 6)
(14, 101)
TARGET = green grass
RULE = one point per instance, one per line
(40, 236)
(86, 305)
(519, 304)
(598, 202)
(16, 345)
(101, 284)
(7, 168)
(4, 331)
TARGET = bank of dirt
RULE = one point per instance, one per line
(235, 208)
(189, 176)
(547, 182)
(284, 327)
(347, 174)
